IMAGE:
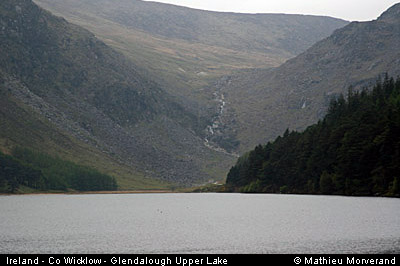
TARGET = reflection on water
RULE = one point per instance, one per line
(198, 223)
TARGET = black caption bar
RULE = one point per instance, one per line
(194, 260)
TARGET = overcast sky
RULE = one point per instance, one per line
(353, 10)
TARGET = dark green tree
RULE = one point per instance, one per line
(354, 150)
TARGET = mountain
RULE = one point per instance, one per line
(187, 51)
(264, 103)
(354, 150)
(267, 33)
(68, 94)
(144, 110)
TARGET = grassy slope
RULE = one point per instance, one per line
(186, 50)
(185, 69)
(20, 126)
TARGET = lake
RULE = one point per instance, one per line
(198, 223)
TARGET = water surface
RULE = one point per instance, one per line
(198, 223)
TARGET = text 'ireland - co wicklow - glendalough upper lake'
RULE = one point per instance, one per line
(198, 223)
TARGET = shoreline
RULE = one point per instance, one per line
(94, 192)
(154, 191)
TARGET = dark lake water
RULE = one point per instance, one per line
(198, 223)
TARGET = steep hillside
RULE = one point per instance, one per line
(271, 33)
(354, 150)
(39, 171)
(22, 126)
(87, 91)
(186, 50)
(267, 102)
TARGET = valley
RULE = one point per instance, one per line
(162, 96)
(179, 49)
